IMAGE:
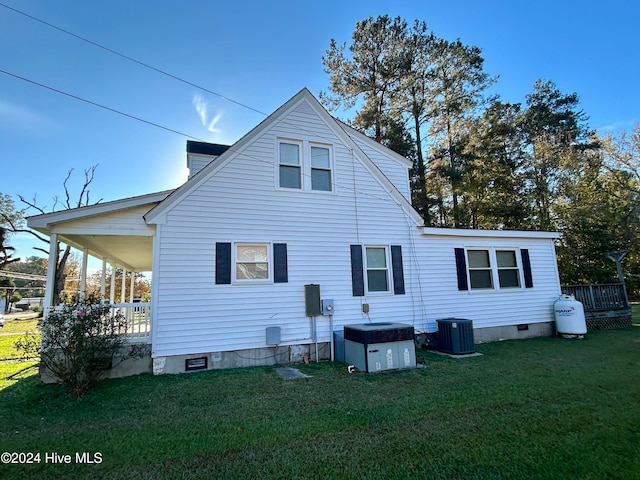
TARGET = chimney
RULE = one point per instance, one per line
(201, 154)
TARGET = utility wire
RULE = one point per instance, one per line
(98, 105)
(131, 59)
(175, 77)
(261, 160)
(150, 67)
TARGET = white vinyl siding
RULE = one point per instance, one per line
(238, 203)
(240, 200)
(492, 307)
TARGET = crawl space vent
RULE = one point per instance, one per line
(191, 364)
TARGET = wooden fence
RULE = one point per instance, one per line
(605, 306)
(608, 296)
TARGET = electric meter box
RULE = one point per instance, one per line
(374, 347)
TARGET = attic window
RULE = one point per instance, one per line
(305, 166)
(320, 169)
(290, 174)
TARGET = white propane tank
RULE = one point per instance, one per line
(569, 313)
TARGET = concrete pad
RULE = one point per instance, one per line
(466, 355)
(291, 373)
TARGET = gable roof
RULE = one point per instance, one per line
(357, 133)
(44, 222)
(342, 131)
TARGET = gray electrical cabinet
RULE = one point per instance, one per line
(374, 347)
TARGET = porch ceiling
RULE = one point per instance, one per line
(114, 231)
(131, 252)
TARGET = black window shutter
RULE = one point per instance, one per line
(280, 270)
(526, 268)
(398, 271)
(461, 269)
(357, 272)
(223, 263)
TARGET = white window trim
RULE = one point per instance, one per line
(390, 286)
(493, 265)
(251, 281)
(305, 166)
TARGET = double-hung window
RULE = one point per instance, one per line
(320, 169)
(252, 261)
(492, 268)
(303, 165)
(290, 171)
(377, 269)
(480, 274)
(508, 271)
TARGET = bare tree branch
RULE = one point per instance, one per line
(66, 190)
(31, 204)
(88, 178)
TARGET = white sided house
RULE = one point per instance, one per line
(302, 199)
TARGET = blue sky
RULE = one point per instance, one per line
(260, 54)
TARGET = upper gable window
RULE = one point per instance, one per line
(305, 166)
(320, 169)
(290, 168)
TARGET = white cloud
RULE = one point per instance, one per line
(213, 122)
(14, 115)
(202, 108)
(617, 126)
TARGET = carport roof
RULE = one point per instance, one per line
(115, 231)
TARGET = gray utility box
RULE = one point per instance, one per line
(374, 347)
(455, 336)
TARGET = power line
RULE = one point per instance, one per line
(346, 187)
(146, 65)
(22, 276)
(131, 59)
(95, 104)
(170, 75)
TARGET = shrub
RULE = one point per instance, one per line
(79, 342)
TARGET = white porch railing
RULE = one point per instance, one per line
(138, 317)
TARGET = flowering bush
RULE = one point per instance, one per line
(80, 340)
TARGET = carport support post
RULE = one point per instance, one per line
(83, 274)
(51, 274)
(124, 285)
(133, 279)
(103, 279)
(112, 293)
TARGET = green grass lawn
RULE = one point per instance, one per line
(545, 408)
(24, 323)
